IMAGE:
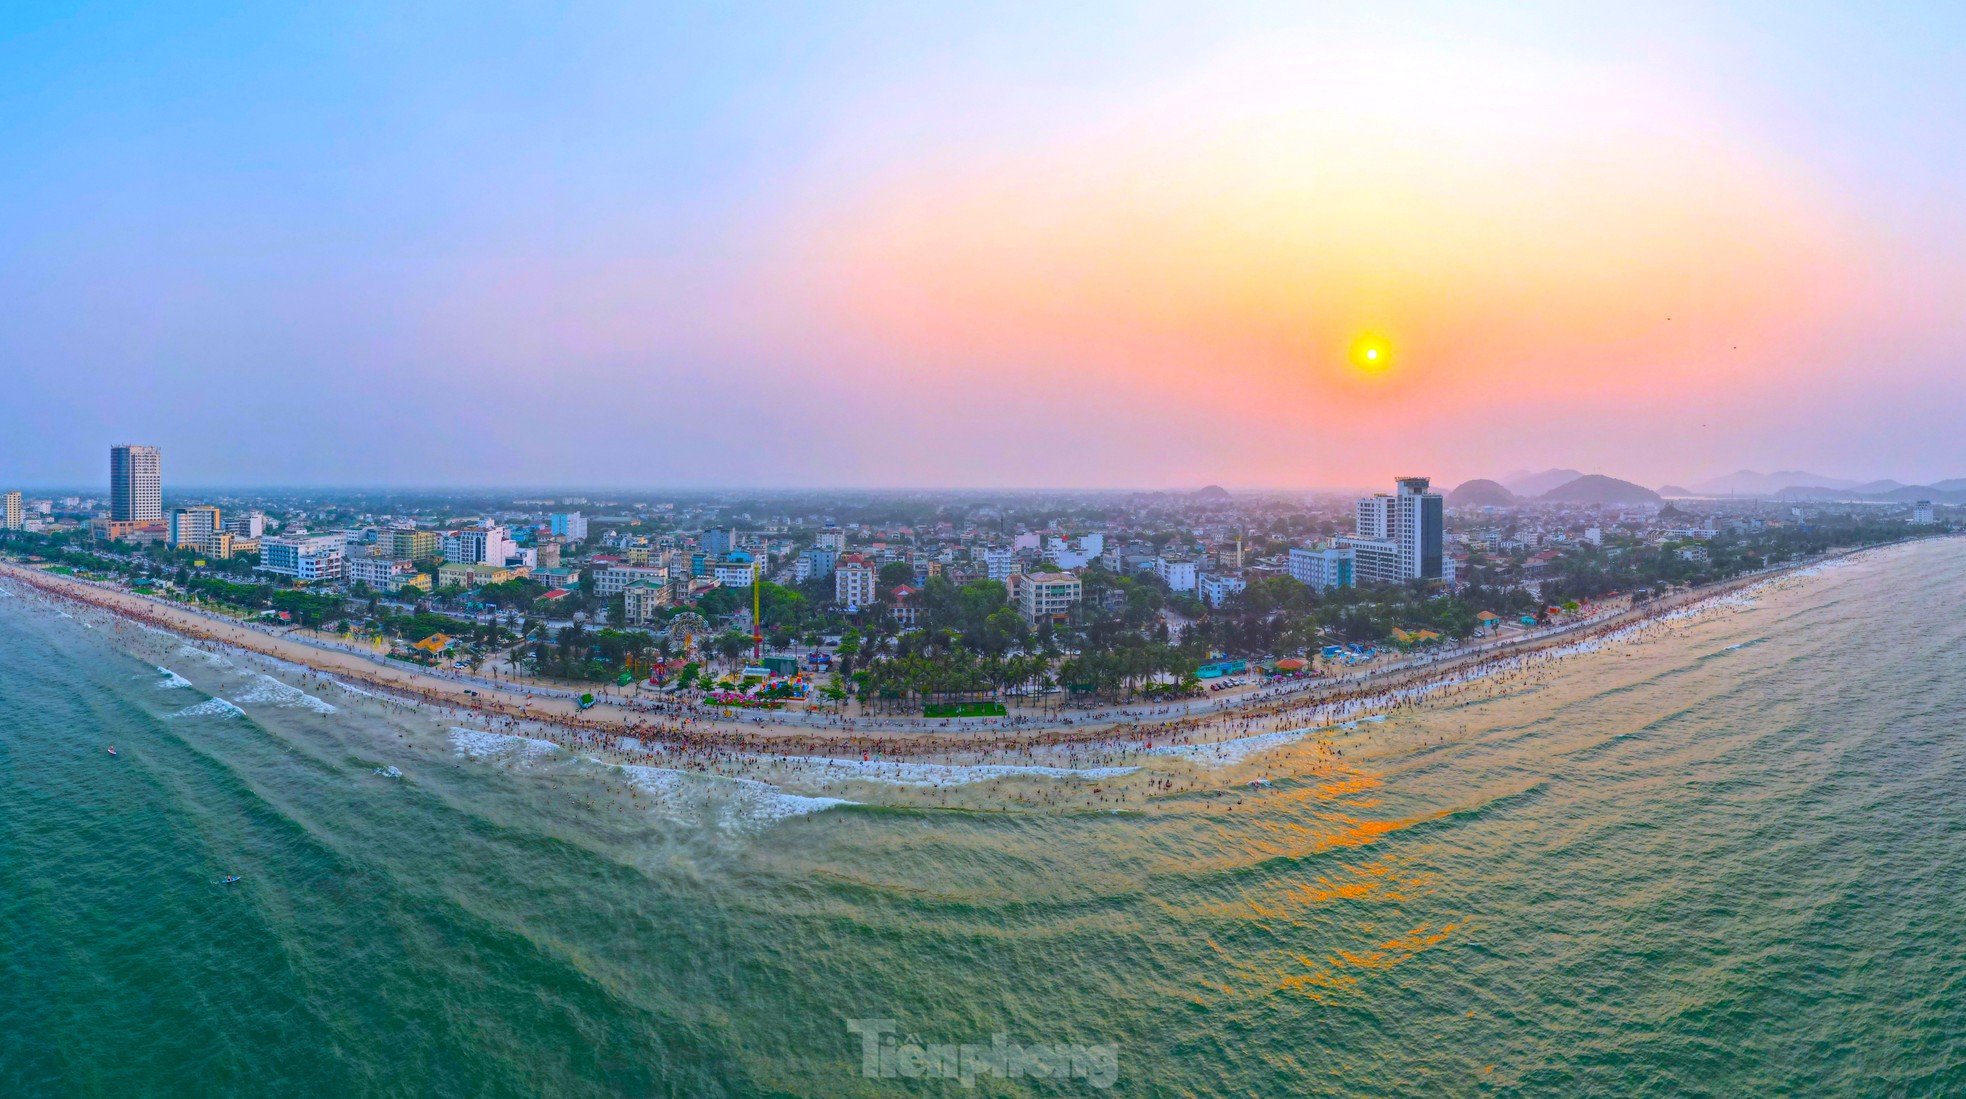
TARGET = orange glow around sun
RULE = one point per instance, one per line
(1371, 354)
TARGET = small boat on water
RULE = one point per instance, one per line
(111, 749)
(228, 881)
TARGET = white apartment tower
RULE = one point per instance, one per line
(854, 582)
(13, 515)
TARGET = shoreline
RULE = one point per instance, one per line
(681, 728)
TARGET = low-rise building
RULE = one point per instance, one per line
(474, 574)
(303, 558)
(381, 573)
(998, 564)
(139, 531)
(1216, 589)
(490, 544)
(732, 574)
(854, 581)
(414, 545)
(819, 561)
(1323, 568)
(643, 600)
(191, 525)
(1179, 574)
(614, 579)
(566, 578)
(247, 524)
(1374, 560)
(904, 605)
(1048, 596)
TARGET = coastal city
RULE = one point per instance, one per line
(940, 605)
(839, 550)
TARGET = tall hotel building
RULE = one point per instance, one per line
(1400, 536)
(136, 485)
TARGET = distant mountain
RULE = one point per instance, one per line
(1212, 494)
(1747, 482)
(1908, 493)
(1480, 493)
(1596, 488)
(1955, 484)
(1900, 494)
(1535, 484)
(1878, 488)
(1675, 490)
(1809, 492)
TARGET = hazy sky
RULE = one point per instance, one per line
(1054, 244)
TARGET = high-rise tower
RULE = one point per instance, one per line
(136, 484)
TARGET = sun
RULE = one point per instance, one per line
(1371, 354)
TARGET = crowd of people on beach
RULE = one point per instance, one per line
(685, 735)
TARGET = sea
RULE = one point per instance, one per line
(1724, 855)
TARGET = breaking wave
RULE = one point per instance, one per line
(211, 707)
(824, 769)
(736, 804)
(269, 691)
(479, 744)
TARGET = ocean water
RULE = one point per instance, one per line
(1726, 857)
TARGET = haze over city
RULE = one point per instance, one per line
(1135, 246)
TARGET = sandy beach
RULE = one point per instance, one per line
(682, 724)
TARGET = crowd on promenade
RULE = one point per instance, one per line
(682, 734)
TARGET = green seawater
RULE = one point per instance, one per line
(1726, 857)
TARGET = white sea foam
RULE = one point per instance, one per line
(479, 744)
(211, 707)
(895, 773)
(389, 772)
(352, 689)
(269, 691)
(214, 659)
(1231, 751)
(737, 804)
(171, 678)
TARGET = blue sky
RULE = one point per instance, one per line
(799, 244)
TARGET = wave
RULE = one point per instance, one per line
(1233, 751)
(354, 690)
(171, 679)
(212, 658)
(211, 707)
(930, 774)
(269, 691)
(479, 744)
(736, 803)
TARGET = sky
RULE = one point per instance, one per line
(1078, 245)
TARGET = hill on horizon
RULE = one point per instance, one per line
(1480, 493)
(1596, 488)
(1747, 482)
(1525, 483)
